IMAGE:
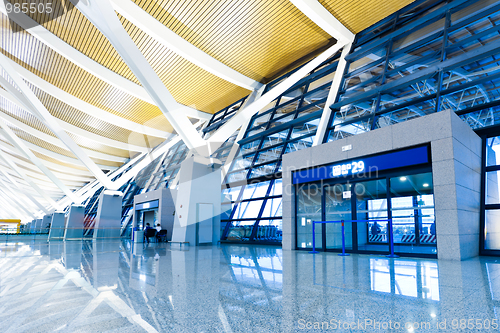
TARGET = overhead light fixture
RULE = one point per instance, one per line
(425, 185)
(402, 179)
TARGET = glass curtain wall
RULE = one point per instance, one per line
(253, 183)
(490, 217)
(420, 60)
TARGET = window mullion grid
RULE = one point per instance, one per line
(447, 23)
(264, 202)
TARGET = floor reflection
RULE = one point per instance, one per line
(118, 286)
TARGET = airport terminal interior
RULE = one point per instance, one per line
(249, 166)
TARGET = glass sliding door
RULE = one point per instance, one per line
(412, 210)
(371, 205)
(308, 210)
(337, 208)
(407, 200)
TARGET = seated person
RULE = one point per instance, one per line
(375, 229)
(146, 232)
(158, 229)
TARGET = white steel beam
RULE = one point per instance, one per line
(28, 180)
(16, 194)
(85, 107)
(180, 46)
(56, 168)
(91, 66)
(234, 149)
(19, 144)
(16, 184)
(8, 206)
(226, 130)
(324, 19)
(17, 199)
(103, 16)
(68, 128)
(30, 102)
(332, 95)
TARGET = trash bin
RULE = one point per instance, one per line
(138, 236)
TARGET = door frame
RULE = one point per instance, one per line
(387, 175)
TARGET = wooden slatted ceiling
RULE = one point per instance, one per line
(188, 83)
(44, 144)
(75, 117)
(23, 116)
(358, 15)
(81, 141)
(56, 161)
(258, 38)
(55, 69)
(78, 118)
(59, 150)
(36, 174)
(74, 28)
(30, 120)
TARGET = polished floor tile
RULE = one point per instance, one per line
(124, 287)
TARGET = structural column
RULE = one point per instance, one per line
(74, 225)
(109, 215)
(57, 226)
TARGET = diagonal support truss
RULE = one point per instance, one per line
(103, 16)
(20, 146)
(179, 45)
(324, 19)
(27, 98)
(226, 130)
(28, 195)
(81, 60)
(332, 96)
(28, 180)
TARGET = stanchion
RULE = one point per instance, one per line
(343, 241)
(391, 242)
(314, 239)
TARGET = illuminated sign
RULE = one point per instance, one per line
(147, 205)
(360, 166)
(348, 169)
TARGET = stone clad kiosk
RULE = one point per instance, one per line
(448, 189)
(161, 201)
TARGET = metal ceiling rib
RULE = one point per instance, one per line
(16, 115)
(257, 38)
(358, 15)
(189, 88)
(73, 28)
(48, 149)
(189, 84)
(33, 55)
(71, 115)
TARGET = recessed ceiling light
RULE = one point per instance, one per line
(426, 185)
(402, 179)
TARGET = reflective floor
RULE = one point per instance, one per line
(116, 287)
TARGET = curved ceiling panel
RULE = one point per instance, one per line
(259, 38)
(360, 14)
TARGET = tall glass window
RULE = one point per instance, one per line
(308, 210)
(491, 190)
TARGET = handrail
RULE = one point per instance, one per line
(391, 236)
